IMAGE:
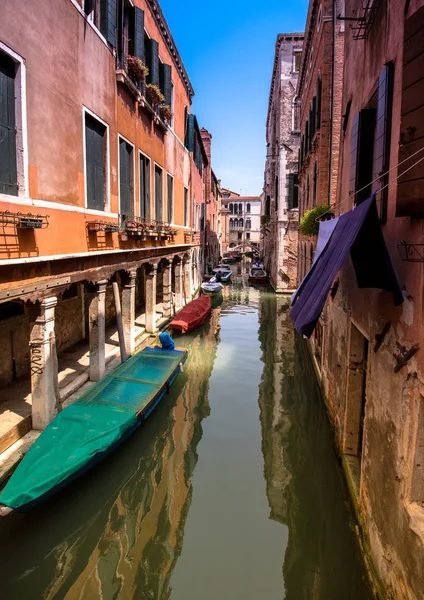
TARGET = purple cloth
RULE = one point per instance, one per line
(326, 229)
(358, 232)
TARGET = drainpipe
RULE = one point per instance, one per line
(333, 75)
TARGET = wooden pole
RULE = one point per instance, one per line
(119, 321)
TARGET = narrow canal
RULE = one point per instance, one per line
(231, 491)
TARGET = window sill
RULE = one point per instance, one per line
(122, 77)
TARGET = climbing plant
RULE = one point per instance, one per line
(309, 224)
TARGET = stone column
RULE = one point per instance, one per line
(178, 284)
(151, 277)
(167, 291)
(187, 289)
(96, 329)
(42, 362)
(128, 310)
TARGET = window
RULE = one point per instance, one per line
(202, 217)
(383, 127)
(170, 198)
(231, 209)
(102, 13)
(152, 60)
(296, 114)
(231, 223)
(241, 223)
(225, 205)
(158, 194)
(240, 208)
(95, 163)
(126, 178)
(8, 167)
(268, 206)
(236, 222)
(248, 207)
(247, 236)
(293, 193)
(361, 159)
(185, 207)
(144, 187)
(297, 60)
(248, 224)
(410, 189)
(276, 193)
(226, 195)
(239, 236)
(318, 104)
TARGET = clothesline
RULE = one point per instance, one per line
(378, 179)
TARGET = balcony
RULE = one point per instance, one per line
(144, 228)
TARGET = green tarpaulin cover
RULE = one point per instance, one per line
(90, 426)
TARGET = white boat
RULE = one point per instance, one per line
(222, 274)
(211, 287)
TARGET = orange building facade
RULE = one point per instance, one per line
(98, 173)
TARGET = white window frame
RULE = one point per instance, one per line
(140, 152)
(119, 174)
(85, 111)
(295, 52)
(186, 222)
(20, 121)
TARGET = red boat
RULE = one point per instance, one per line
(193, 315)
(258, 275)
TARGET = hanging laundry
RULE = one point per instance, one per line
(358, 232)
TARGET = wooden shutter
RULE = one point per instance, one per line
(190, 133)
(158, 194)
(382, 134)
(165, 72)
(410, 191)
(312, 121)
(152, 54)
(125, 178)
(144, 187)
(185, 207)
(108, 20)
(293, 193)
(136, 33)
(202, 218)
(318, 104)
(8, 170)
(95, 163)
(170, 193)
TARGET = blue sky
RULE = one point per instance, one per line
(228, 50)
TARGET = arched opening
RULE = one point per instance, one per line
(231, 208)
(248, 207)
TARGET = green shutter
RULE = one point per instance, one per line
(108, 20)
(293, 194)
(165, 72)
(158, 194)
(125, 178)
(190, 133)
(136, 32)
(152, 54)
(170, 193)
(8, 171)
(95, 163)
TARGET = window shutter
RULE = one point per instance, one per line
(190, 133)
(410, 190)
(315, 113)
(8, 170)
(312, 119)
(152, 54)
(166, 82)
(354, 150)
(293, 193)
(306, 138)
(170, 190)
(136, 33)
(382, 136)
(108, 20)
(125, 183)
(202, 217)
(318, 104)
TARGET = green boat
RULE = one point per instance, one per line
(82, 434)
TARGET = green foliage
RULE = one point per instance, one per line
(309, 224)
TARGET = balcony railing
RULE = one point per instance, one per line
(145, 228)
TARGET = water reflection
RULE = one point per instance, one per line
(119, 531)
(304, 485)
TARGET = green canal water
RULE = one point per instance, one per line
(231, 491)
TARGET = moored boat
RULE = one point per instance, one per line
(258, 275)
(193, 315)
(211, 287)
(82, 434)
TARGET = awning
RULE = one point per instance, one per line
(358, 232)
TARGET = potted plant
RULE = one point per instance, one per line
(166, 112)
(154, 94)
(94, 225)
(136, 69)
